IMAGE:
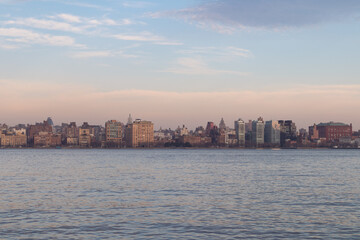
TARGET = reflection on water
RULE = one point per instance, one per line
(181, 194)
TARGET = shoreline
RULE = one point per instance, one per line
(174, 148)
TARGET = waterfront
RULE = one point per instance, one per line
(179, 194)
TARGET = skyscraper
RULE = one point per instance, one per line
(272, 133)
(257, 135)
(240, 131)
(287, 131)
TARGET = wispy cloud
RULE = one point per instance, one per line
(23, 36)
(84, 5)
(146, 37)
(196, 66)
(218, 51)
(69, 18)
(101, 54)
(91, 54)
(136, 4)
(91, 22)
(229, 15)
(45, 24)
(67, 23)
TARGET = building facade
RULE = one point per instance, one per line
(113, 133)
(333, 131)
(272, 133)
(287, 131)
(240, 132)
(84, 135)
(36, 129)
(72, 134)
(47, 139)
(140, 134)
(13, 140)
(257, 135)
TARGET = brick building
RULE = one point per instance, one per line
(333, 131)
(36, 129)
(47, 139)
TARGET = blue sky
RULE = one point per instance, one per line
(178, 62)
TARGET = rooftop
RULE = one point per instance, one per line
(338, 124)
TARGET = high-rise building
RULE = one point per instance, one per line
(240, 131)
(257, 135)
(140, 134)
(272, 133)
(287, 131)
(209, 127)
(113, 133)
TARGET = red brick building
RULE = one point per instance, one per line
(334, 131)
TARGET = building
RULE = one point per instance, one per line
(333, 131)
(192, 140)
(200, 131)
(3, 127)
(84, 135)
(209, 127)
(72, 134)
(240, 132)
(113, 133)
(47, 139)
(248, 126)
(287, 131)
(313, 132)
(140, 134)
(13, 140)
(257, 135)
(181, 131)
(222, 125)
(36, 129)
(272, 133)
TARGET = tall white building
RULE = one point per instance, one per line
(272, 132)
(257, 135)
(240, 131)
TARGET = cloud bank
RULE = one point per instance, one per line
(30, 102)
(227, 15)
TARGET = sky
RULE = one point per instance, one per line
(180, 62)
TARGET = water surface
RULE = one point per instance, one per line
(179, 194)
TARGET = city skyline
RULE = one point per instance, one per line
(141, 134)
(180, 62)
